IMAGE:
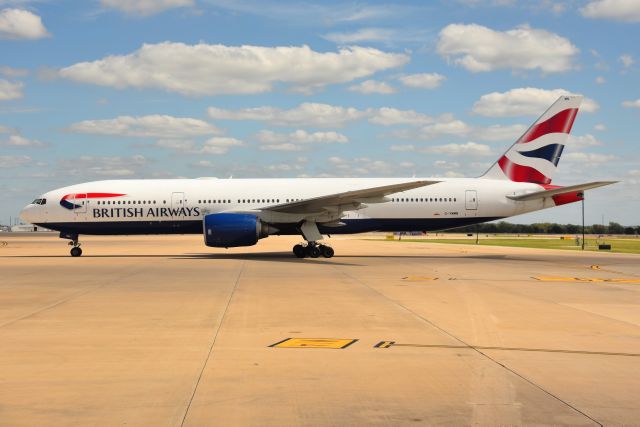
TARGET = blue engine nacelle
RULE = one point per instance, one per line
(227, 230)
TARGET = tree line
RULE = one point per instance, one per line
(549, 228)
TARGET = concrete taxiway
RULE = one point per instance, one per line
(164, 331)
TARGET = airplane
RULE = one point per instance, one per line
(239, 212)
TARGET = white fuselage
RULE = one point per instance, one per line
(179, 205)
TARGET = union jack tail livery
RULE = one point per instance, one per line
(535, 155)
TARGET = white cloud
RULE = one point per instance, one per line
(5, 129)
(219, 145)
(500, 133)
(582, 141)
(20, 141)
(616, 10)
(372, 86)
(443, 164)
(527, 101)
(423, 80)
(360, 166)
(161, 126)
(206, 69)
(14, 161)
(215, 145)
(600, 80)
(361, 35)
(10, 90)
(144, 7)
(600, 127)
(13, 72)
(632, 104)
(103, 166)
(403, 148)
(297, 140)
(307, 114)
(469, 148)
(387, 116)
(627, 60)
(452, 127)
(478, 48)
(18, 24)
(588, 158)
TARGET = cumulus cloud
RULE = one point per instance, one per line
(582, 141)
(7, 162)
(360, 166)
(452, 127)
(160, 126)
(206, 69)
(18, 24)
(469, 148)
(361, 35)
(627, 60)
(16, 140)
(443, 164)
(387, 116)
(632, 104)
(588, 158)
(10, 90)
(527, 101)
(144, 7)
(500, 133)
(423, 80)
(308, 114)
(600, 127)
(478, 48)
(297, 140)
(13, 72)
(372, 86)
(103, 166)
(615, 10)
(215, 145)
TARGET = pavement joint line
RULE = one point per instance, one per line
(213, 342)
(585, 279)
(479, 351)
(387, 344)
(69, 298)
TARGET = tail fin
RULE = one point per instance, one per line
(535, 155)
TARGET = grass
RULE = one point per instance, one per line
(623, 245)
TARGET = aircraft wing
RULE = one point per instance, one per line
(347, 199)
(558, 191)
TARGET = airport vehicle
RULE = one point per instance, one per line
(239, 212)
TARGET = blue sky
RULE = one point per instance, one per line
(186, 88)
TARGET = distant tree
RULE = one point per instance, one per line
(615, 228)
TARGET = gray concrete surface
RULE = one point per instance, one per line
(164, 331)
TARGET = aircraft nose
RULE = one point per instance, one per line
(26, 214)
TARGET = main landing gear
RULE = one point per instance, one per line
(312, 250)
(75, 250)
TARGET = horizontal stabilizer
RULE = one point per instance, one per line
(558, 191)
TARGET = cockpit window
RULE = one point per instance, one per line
(39, 202)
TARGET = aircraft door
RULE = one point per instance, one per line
(471, 202)
(177, 203)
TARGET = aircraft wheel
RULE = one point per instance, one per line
(299, 251)
(76, 251)
(313, 251)
(326, 251)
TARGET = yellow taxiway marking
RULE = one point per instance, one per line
(384, 344)
(595, 267)
(418, 278)
(585, 279)
(336, 343)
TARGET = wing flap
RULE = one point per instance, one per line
(559, 191)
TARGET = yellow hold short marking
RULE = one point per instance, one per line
(418, 278)
(585, 279)
(335, 343)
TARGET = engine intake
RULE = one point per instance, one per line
(227, 230)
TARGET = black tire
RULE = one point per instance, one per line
(327, 251)
(313, 251)
(76, 251)
(299, 251)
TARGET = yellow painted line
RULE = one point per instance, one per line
(418, 278)
(595, 267)
(336, 343)
(585, 279)
(384, 344)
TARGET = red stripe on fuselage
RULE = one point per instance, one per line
(91, 195)
(563, 199)
(560, 123)
(520, 173)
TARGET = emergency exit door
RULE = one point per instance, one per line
(471, 202)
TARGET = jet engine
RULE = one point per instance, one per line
(227, 230)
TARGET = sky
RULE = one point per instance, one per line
(117, 89)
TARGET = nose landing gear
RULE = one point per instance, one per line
(312, 250)
(75, 250)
